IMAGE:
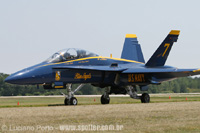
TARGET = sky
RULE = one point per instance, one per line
(31, 31)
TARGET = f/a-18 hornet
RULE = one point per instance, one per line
(118, 76)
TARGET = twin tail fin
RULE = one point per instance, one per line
(160, 56)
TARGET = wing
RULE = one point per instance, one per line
(173, 72)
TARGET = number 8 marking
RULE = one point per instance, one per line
(167, 46)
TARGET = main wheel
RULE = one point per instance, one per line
(145, 98)
(105, 100)
(73, 101)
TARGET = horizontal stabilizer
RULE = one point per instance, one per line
(160, 56)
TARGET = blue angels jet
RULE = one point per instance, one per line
(118, 76)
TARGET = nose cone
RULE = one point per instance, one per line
(26, 76)
(18, 77)
(9, 79)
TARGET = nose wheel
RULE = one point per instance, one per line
(69, 98)
(71, 101)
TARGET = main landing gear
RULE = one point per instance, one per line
(131, 90)
(145, 98)
(69, 98)
(105, 99)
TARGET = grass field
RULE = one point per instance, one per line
(27, 101)
(125, 114)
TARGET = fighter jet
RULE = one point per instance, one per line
(116, 75)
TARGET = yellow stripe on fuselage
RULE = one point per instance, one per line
(96, 57)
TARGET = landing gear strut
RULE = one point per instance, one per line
(131, 90)
(69, 98)
(105, 99)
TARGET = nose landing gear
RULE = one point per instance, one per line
(71, 101)
(69, 98)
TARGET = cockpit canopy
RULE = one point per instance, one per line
(69, 54)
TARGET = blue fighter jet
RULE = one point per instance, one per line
(117, 76)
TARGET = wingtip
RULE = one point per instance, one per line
(174, 32)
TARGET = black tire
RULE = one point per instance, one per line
(67, 101)
(105, 100)
(73, 101)
(145, 98)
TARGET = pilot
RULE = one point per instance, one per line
(66, 56)
(81, 53)
(72, 53)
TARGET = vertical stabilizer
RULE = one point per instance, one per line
(160, 56)
(131, 49)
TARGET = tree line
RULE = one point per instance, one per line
(181, 85)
